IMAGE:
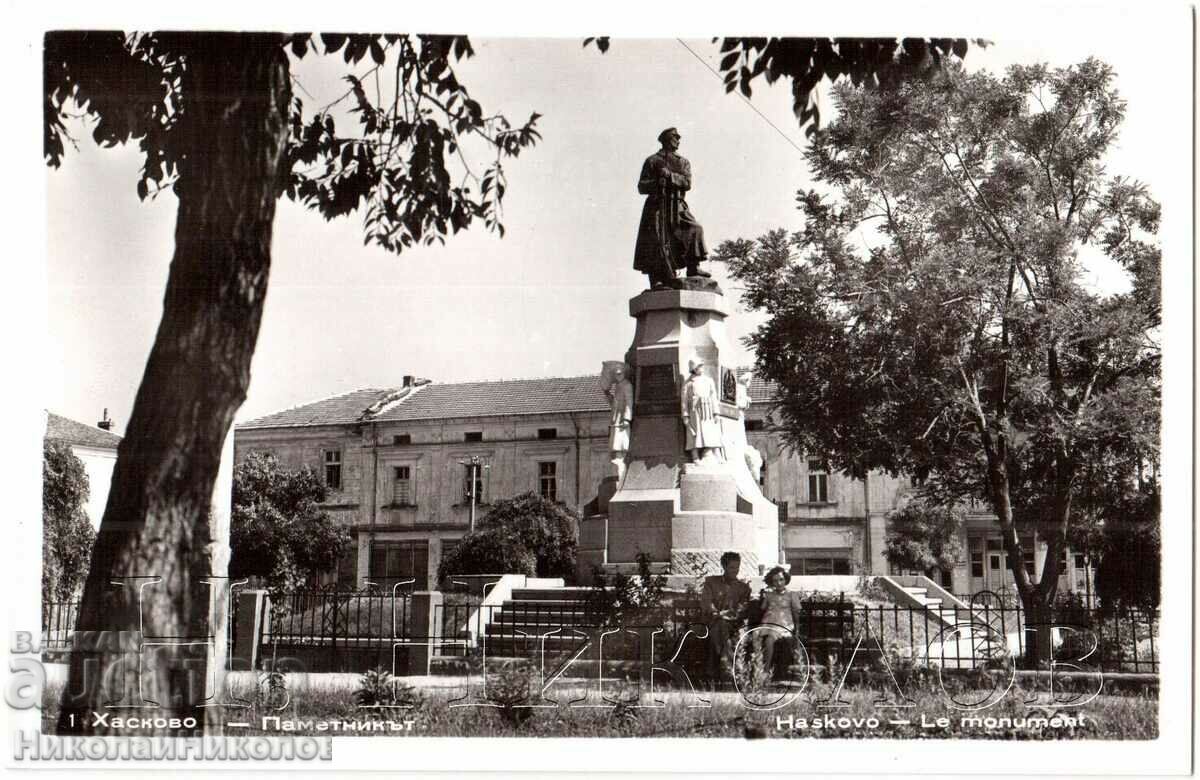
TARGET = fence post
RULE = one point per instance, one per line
(248, 632)
(425, 607)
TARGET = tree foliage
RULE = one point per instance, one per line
(1129, 568)
(515, 532)
(805, 62)
(392, 147)
(278, 530)
(488, 551)
(67, 534)
(924, 536)
(934, 315)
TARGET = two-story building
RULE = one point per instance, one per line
(401, 464)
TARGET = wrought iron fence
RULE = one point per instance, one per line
(58, 624)
(336, 630)
(357, 630)
(831, 632)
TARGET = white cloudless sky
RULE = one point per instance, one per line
(550, 298)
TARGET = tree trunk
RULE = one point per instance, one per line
(145, 635)
(1036, 606)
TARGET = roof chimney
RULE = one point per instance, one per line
(105, 424)
(408, 380)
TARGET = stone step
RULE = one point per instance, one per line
(510, 613)
(552, 594)
(547, 604)
(534, 627)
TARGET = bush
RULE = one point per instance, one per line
(922, 537)
(488, 551)
(1130, 569)
(548, 529)
(523, 535)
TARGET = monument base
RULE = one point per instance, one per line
(681, 515)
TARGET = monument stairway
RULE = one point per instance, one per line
(556, 620)
(947, 615)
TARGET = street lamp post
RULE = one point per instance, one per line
(473, 465)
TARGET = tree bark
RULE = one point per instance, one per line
(144, 630)
(1036, 606)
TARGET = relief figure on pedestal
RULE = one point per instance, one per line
(699, 410)
(754, 458)
(619, 391)
(669, 237)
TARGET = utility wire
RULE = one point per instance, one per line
(703, 62)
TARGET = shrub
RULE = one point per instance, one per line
(523, 535)
(546, 528)
(488, 551)
(922, 537)
(378, 688)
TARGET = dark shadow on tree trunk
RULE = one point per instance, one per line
(146, 595)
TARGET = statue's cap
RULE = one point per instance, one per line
(663, 135)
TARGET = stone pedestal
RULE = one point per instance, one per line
(682, 515)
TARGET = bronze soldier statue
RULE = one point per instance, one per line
(669, 237)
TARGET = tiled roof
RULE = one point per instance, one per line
(338, 410)
(487, 399)
(60, 428)
(552, 395)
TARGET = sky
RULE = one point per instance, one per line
(551, 297)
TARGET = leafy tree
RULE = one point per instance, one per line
(867, 62)
(528, 524)
(547, 528)
(218, 123)
(932, 316)
(488, 551)
(278, 530)
(924, 536)
(1129, 569)
(67, 534)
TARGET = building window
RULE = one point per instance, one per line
(333, 469)
(548, 480)
(1080, 561)
(976, 564)
(473, 490)
(402, 438)
(547, 433)
(762, 478)
(816, 561)
(402, 486)
(403, 563)
(755, 425)
(818, 481)
(473, 436)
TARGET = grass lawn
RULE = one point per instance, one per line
(437, 714)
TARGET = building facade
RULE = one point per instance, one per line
(96, 446)
(401, 465)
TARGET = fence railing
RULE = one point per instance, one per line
(58, 624)
(355, 630)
